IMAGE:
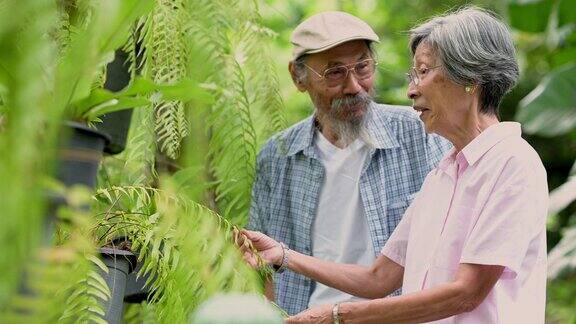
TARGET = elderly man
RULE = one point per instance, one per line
(336, 184)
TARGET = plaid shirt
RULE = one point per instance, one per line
(290, 175)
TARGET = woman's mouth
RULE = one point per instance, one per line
(420, 109)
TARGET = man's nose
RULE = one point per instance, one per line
(351, 84)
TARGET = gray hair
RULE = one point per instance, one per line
(474, 48)
(300, 69)
(300, 63)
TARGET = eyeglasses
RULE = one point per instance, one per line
(336, 75)
(415, 75)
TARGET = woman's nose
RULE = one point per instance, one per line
(413, 92)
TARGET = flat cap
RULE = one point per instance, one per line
(328, 29)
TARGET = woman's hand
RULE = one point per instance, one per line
(270, 250)
(316, 315)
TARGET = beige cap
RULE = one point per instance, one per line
(329, 29)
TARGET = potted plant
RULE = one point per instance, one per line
(183, 245)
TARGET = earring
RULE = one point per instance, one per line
(468, 89)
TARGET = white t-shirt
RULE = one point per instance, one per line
(340, 231)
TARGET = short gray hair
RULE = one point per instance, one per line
(474, 48)
(300, 63)
(300, 69)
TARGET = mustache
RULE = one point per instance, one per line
(362, 98)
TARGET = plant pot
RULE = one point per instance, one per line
(116, 124)
(80, 156)
(136, 292)
(120, 264)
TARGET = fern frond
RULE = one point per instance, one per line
(143, 313)
(171, 127)
(262, 76)
(135, 165)
(233, 147)
(247, 97)
(181, 244)
(206, 259)
(166, 62)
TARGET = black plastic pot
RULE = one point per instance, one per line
(80, 154)
(120, 264)
(116, 124)
(136, 292)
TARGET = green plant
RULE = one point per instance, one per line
(226, 56)
(200, 59)
(93, 31)
(547, 30)
(185, 248)
(23, 41)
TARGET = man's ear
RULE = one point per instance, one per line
(301, 86)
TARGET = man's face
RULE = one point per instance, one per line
(343, 104)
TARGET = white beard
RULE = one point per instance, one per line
(351, 129)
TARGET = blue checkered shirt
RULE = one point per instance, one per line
(290, 175)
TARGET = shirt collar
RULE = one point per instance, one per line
(376, 125)
(488, 138)
(472, 152)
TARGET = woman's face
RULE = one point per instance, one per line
(445, 107)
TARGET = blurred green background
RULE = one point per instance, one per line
(545, 39)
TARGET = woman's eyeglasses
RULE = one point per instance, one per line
(415, 75)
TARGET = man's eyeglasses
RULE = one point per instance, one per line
(415, 75)
(336, 75)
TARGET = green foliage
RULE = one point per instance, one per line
(526, 15)
(62, 283)
(547, 37)
(246, 107)
(90, 47)
(561, 301)
(27, 133)
(550, 109)
(135, 165)
(562, 260)
(185, 248)
(142, 313)
(163, 43)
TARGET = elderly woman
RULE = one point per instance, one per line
(471, 248)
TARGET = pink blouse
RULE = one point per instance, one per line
(486, 204)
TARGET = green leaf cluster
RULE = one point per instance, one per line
(546, 31)
(186, 250)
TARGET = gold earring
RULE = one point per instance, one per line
(468, 89)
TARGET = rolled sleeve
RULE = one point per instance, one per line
(397, 245)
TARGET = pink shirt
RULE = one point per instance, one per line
(486, 204)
